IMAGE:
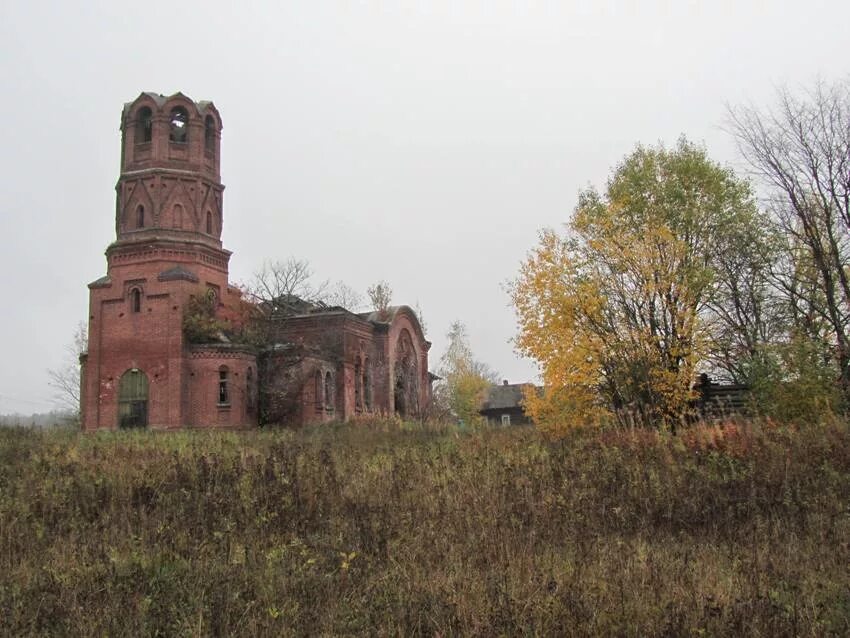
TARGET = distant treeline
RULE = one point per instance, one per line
(40, 420)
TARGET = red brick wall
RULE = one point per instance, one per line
(150, 340)
(176, 183)
(204, 409)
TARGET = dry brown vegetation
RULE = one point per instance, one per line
(383, 529)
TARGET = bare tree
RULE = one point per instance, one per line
(745, 314)
(287, 286)
(342, 295)
(65, 380)
(281, 284)
(281, 289)
(801, 151)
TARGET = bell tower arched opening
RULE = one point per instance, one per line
(179, 125)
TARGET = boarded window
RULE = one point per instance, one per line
(133, 400)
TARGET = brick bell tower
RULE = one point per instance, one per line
(139, 370)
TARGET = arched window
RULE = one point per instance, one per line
(329, 394)
(136, 300)
(177, 221)
(209, 223)
(209, 134)
(133, 399)
(144, 125)
(223, 394)
(179, 125)
(140, 216)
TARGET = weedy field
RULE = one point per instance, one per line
(383, 528)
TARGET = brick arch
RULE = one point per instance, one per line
(176, 193)
(132, 110)
(406, 377)
(209, 108)
(138, 196)
(210, 202)
(178, 99)
(412, 362)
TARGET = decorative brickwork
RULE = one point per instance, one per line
(140, 371)
(163, 253)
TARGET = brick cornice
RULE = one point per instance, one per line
(221, 351)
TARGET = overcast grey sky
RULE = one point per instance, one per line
(425, 143)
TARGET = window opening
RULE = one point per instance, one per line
(367, 384)
(136, 300)
(209, 223)
(223, 396)
(249, 388)
(209, 134)
(179, 125)
(358, 383)
(319, 392)
(506, 419)
(140, 216)
(144, 125)
(329, 398)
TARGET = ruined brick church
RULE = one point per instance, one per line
(141, 370)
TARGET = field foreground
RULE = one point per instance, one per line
(381, 529)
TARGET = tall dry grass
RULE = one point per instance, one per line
(381, 529)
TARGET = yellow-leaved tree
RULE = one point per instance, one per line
(614, 310)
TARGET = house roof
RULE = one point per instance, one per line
(504, 396)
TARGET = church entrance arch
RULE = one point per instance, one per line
(133, 399)
(405, 373)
